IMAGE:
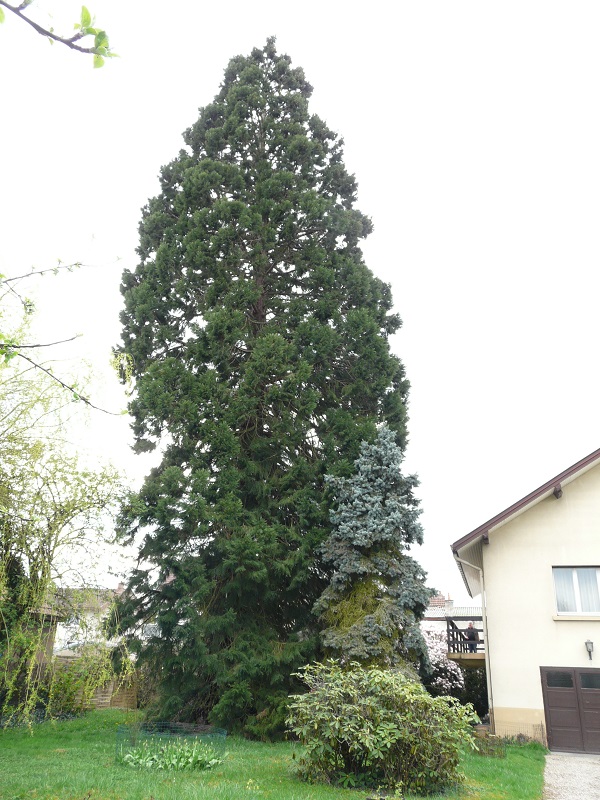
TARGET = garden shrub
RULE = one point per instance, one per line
(71, 687)
(365, 726)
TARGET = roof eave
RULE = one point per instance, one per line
(552, 486)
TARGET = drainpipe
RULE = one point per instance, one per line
(488, 673)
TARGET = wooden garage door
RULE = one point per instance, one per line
(572, 708)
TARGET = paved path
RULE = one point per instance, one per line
(569, 775)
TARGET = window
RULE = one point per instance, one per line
(577, 590)
(559, 680)
(590, 680)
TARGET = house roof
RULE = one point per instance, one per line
(553, 486)
(434, 613)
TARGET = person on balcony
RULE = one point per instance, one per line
(472, 637)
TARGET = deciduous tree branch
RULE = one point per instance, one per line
(69, 42)
(47, 344)
(71, 389)
(46, 270)
(100, 49)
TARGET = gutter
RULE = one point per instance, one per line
(488, 672)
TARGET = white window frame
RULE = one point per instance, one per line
(577, 611)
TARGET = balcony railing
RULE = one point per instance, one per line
(458, 643)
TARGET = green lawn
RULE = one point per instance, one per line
(76, 761)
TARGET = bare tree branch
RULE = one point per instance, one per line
(44, 271)
(46, 344)
(66, 386)
(11, 349)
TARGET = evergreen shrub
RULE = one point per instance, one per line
(377, 728)
(269, 724)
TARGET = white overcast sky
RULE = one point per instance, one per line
(473, 129)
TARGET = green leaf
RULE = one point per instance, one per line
(86, 17)
(98, 61)
(101, 39)
(2, 15)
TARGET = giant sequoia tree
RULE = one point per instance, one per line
(259, 345)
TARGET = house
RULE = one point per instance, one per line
(536, 566)
(87, 609)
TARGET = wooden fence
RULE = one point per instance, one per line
(113, 694)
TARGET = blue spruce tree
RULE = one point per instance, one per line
(377, 595)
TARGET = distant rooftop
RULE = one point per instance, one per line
(435, 612)
(439, 601)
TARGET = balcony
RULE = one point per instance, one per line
(460, 649)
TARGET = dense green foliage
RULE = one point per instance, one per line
(372, 727)
(475, 690)
(377, 594)
(259, 343)
(76, 759)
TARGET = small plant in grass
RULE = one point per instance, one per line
(176, 755)
(371, 727)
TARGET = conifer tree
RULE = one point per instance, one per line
(259, 344)
(377, 595)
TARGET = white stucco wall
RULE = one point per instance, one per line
(524, 630)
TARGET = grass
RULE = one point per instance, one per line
(75, 760)
(519, 776)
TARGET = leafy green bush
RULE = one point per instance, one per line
(70, 687)
(174, 755)
(377, 728)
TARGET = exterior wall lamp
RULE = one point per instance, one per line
(589, 646)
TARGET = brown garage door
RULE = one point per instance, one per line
(572, 708)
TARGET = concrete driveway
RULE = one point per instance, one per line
(572, 775)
